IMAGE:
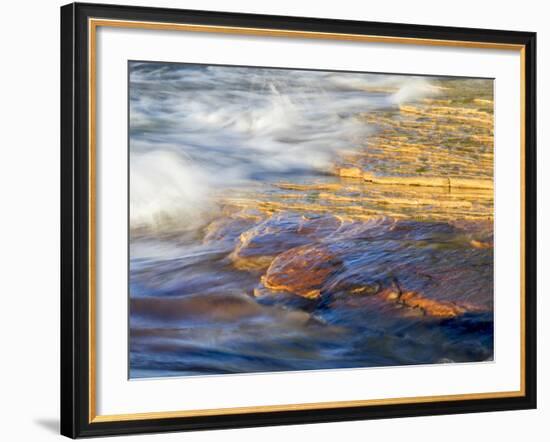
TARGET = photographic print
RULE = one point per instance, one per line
(285, 219)
(296, 214)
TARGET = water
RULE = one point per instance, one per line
(197, 130)
(248, 254)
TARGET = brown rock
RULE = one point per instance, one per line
(431, 307)
(301, 271)
(260, 245)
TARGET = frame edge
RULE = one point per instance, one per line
(530, 213)
(68, 399)
(74, 223)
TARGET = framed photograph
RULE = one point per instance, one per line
(274, 220)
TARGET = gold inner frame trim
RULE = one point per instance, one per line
(93, 24)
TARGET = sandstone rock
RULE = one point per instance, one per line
(302, 271)
(471, 183)
(421, 181)
(407, 180)
(418, 266)
(350, 172)
(229, 227)
(260, 245)
(431, 307)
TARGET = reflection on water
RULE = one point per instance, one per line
(260, 240)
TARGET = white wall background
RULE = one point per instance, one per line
(29, 221)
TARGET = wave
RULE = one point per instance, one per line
(166, 191)
(195, 130)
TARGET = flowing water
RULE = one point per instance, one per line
(291, 220)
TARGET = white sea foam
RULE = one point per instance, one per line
(166, 190)
(197, 129)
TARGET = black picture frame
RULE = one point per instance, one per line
(75, 221)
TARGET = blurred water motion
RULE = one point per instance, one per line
(287, 220)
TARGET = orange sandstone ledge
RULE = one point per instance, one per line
(462, 183)
(429, 307)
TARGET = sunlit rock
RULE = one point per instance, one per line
(260, 245)
(431, 307)
(301, 270)
(351, 172)
(431, 267)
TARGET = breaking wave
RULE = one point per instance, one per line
(196, 130)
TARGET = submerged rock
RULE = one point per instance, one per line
(429, 268)
(229, 227)
(431, 307)
(301, 270)
(259, 245)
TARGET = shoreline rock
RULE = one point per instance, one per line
(420, 181)
(259, 245)
(402, 263)
(302, 271)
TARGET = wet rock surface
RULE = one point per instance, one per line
(259, 245)
(347, 294)
(436, 261)
(302, 271)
